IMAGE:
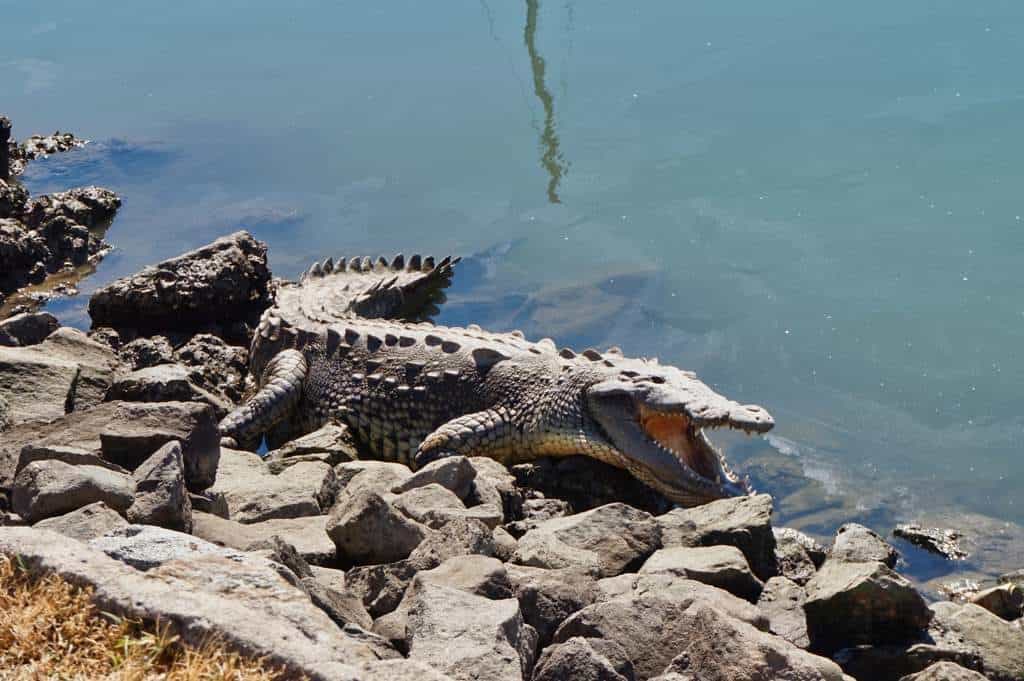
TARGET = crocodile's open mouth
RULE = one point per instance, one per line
(674, 433)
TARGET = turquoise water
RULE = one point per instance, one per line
(815, 206)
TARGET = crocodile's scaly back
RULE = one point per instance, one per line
(413, 392)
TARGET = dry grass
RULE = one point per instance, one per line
(49, 629)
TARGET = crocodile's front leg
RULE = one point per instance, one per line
(489, 433)
(275, 401)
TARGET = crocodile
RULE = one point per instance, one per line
(352, 343)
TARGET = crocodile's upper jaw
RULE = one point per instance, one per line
(658, 434)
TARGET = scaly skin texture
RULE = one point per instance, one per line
(414, 392)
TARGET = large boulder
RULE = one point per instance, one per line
(470, 637)
(160, 494)
(246, 603)
(854, 603)
(333, 442)
(969, 627)
(44, 489)
(254, 494)
(221, 282)
(721, 566)
(85, 523)
(717, 647)
(607, 540)
(744, 522)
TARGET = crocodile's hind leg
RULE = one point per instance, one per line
(273, 403)
(489, 433)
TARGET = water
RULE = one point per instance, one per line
(817, 207)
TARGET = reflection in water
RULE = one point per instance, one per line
(551, 158)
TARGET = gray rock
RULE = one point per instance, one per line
(584, 659)
(85, 523)
(99, 366)
(164, 383)
(535, 511)
(460, 537)
(27, 328)
(226, 280)
(69, 454)
(341, 606)
(365, 528)
(253, 494)
(473, 574)
(494, 485)
(854, 603)
(815, 550)
(548, 597)
(1004, 600)
(650, 623)
(504, 544)
(138, 429)
(49, 380)
(375, 476)
(793, 558)
(945, 671)
(743, 522)
(782, 601)
(160, 494)
(716, 646)
(454, 473)
(608, 540)
(721, 566)
(209, 503)
(245, 603)
(216, 366)
(333, 440)
(44, 489)
(381, 587)
(145, 547)
(124, 434)
(857, 544)
(470, 637)
(147, 352)
(893, 662)
(417, 501)
(307, 534)
(970, 627)
(400, 670)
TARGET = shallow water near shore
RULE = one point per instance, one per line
(817, 208)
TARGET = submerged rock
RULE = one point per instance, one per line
(943, 542)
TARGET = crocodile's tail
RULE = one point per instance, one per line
(409, 290)
(275, 401)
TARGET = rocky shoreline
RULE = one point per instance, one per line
(50, 234)
(112, 475)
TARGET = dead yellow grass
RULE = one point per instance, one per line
(49, 629)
